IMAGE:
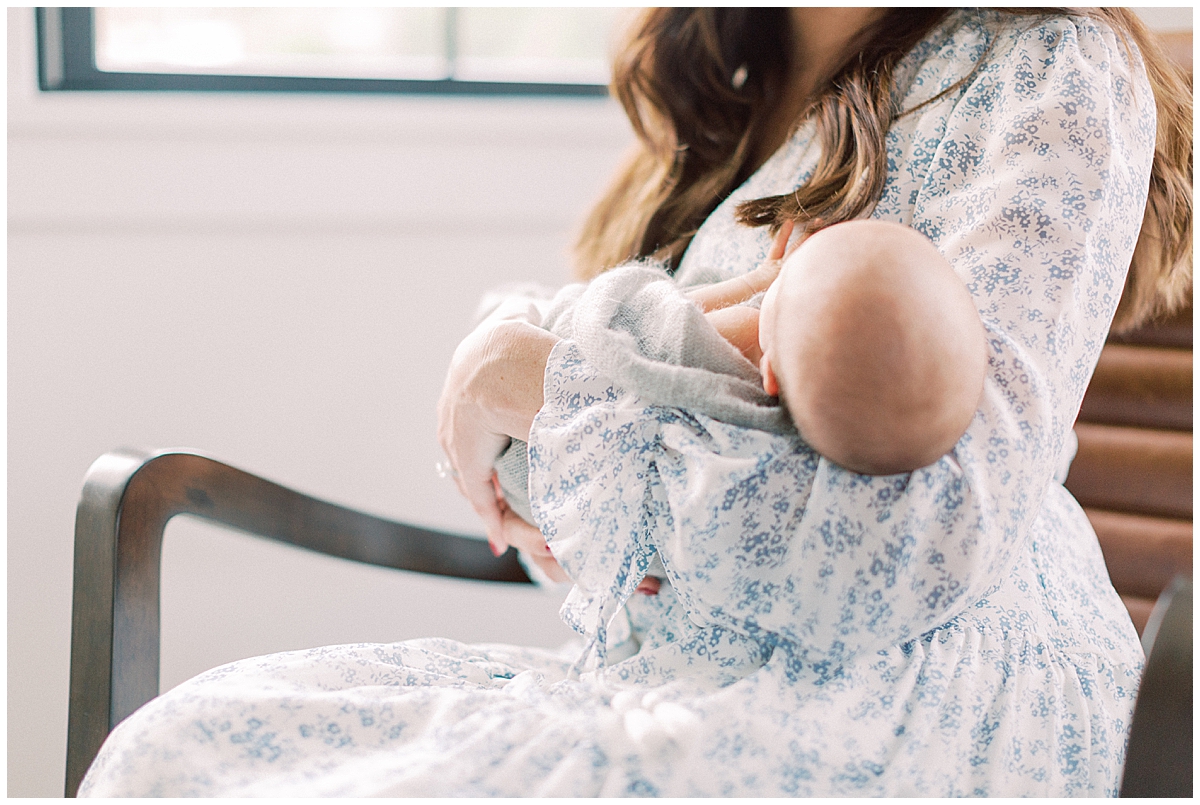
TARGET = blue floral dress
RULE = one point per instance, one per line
(951, 631)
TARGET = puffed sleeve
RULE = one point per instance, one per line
(1034, 195)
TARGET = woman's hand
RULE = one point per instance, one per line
(492, 392)
(529, 540)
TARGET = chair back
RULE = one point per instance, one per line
(1133, 471)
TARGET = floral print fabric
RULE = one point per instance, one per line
(950, 631)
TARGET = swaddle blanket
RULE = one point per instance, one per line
(636, 327)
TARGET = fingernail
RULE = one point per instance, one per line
(496, 549)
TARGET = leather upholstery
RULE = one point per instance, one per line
(1133, 472)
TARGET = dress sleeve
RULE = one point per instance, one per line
(1035, 196)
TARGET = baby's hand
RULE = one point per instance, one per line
(778, 252)
(761, 277)
(721, 295)
(779, 248)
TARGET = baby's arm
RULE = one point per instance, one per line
(721, 295)
(726, 294)
(739, 326)
(722, 301)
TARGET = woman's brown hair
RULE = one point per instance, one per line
(697, 84)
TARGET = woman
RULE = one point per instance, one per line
(949, 631)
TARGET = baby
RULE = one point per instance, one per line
(866, 336)
(870, 340)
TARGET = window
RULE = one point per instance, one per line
(544, 51)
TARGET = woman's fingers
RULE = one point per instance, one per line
(467, 431)
(498, 541)
(528, 539)
(523, 536)
(550, 567)
(472, 451)
(492, 392)
(478, 491)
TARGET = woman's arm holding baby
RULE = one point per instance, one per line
(862, 563)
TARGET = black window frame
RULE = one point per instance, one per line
(67, 61)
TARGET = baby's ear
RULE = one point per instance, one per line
(770, 384)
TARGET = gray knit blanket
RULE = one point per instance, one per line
(634, 325)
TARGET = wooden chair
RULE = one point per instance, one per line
(1159, 760)
(1133, 475)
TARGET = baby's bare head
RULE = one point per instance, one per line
(875, 347)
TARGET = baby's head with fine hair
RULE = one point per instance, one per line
(875, 347)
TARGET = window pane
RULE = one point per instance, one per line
(535, 44)
(554, 45)
(341, 42)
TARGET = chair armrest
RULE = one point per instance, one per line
(128, 498)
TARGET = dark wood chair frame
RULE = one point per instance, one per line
(1159, 760)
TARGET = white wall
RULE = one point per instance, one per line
(278, 281)
(1173, 18)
